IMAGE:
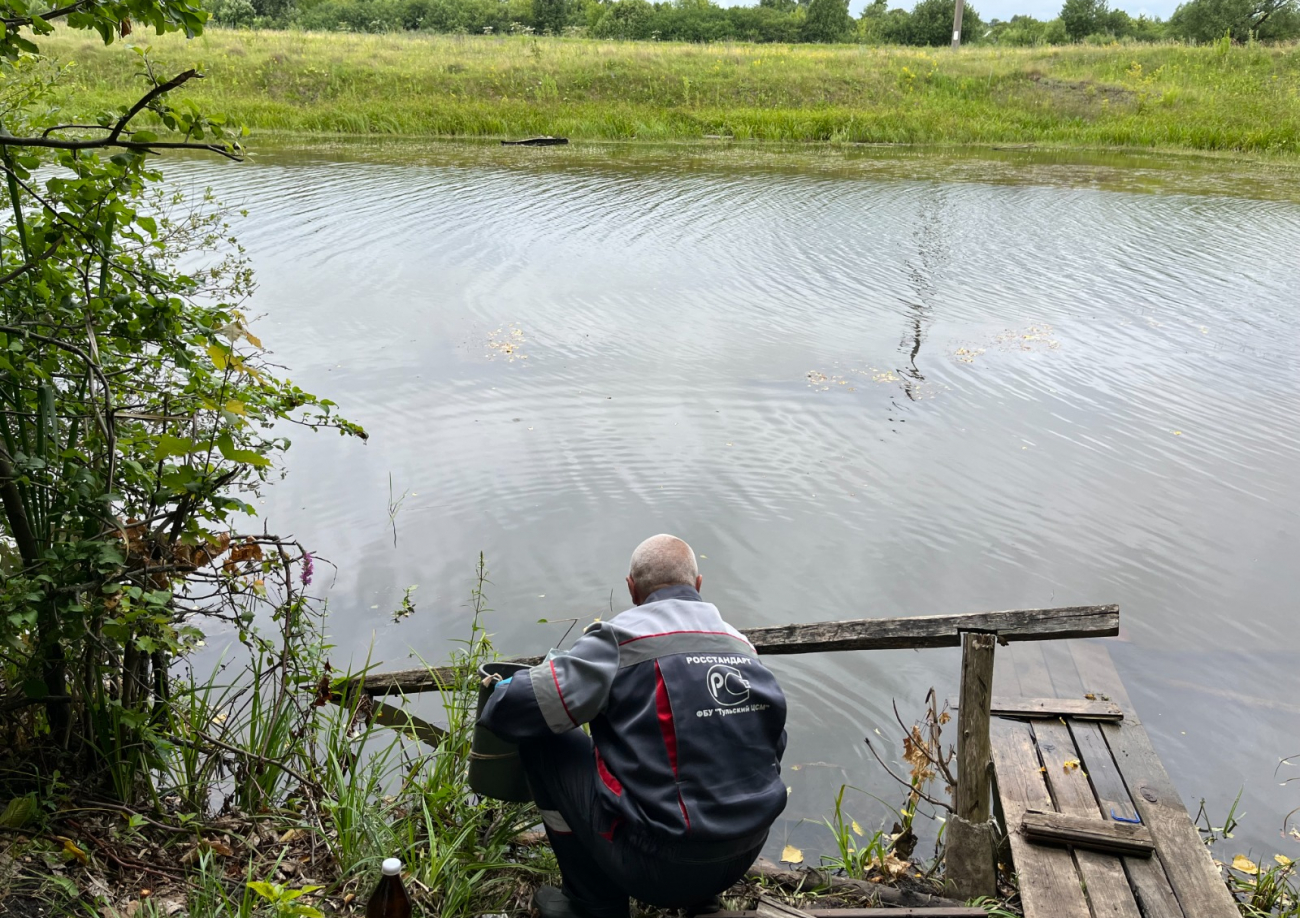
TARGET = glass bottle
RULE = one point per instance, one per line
(389, 899)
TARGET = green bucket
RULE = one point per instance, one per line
(494, 766)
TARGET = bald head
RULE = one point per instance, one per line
(658, 562)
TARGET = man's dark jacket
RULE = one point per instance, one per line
(688, 725)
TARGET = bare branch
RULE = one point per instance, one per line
(114, 140)
(148, 97)
(104, 143)
(906, 783)
(79, 127)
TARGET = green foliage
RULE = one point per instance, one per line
(1210, 20)
(931, 23)
(105, 19)
(284, 901)
(994, 908)
(234, 14)
(1082, 18)
(768, 21)
(381, 794)
(826, 21)
(880, 25)
(854, 859)
(1265, 889)
(137, 409)
(550, 16)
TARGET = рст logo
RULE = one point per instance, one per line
(727, 685)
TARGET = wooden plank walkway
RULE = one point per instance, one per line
(1102, 769)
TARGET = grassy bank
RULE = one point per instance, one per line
(1142, 96)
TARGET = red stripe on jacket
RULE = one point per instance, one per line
(607, 776)
(664, 708)
(556, 677)
(642, 637)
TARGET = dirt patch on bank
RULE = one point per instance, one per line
(1075, 97)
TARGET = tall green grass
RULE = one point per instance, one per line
(1223, 98)
(277, 754)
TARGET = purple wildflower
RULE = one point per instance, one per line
(308, 568)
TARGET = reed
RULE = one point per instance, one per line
(1170, 97)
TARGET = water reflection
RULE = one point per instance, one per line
(856, 391)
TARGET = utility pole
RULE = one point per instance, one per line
(956, 25)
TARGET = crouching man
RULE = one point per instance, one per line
(671, 797)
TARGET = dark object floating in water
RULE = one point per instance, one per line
(536, 142)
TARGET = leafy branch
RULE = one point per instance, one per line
(116, 131)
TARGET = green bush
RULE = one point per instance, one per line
(1241, 20)
(1082, 18)
(931, 23)
(828, 20)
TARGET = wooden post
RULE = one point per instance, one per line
(956, 25)
(970, 856)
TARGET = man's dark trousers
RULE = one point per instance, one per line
(602, 870)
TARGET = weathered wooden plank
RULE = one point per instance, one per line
(973, 756)
(1049, 882)
(965, 912)
(936, 630)
(970, 866)
(1091, 832)
(811, 878)
(860, 634)
(1098, 676)
(1188, 865)
(1047, 708)
(962, 912)
(1032, 672)
(404, 721)
(771, 908)
(1105, 883)
(1103, 875)
(1005, 681)
(1146, 876)
(413, 681)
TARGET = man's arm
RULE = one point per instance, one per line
(560, 693)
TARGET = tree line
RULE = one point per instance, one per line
(928, 23)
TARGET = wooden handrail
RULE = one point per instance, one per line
(859, 634)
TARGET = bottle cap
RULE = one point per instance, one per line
(392, 867)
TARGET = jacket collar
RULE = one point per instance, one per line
(676, 591)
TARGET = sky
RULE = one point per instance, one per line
(1039, 9)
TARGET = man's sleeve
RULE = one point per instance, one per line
(562, 692)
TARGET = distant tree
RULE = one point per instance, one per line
(781, 6)
(278, 12)
(625, 19)
(828, 20)
(763, 23)
(895, 27)
(1020, 31)
(1145, 28)
(233, 14)
(931, 23)
(1210, 20)
(550, 16)
(1082, 18)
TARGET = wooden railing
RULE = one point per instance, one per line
(856, 634)
(970, 837)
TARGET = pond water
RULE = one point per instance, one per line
(860, 384)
